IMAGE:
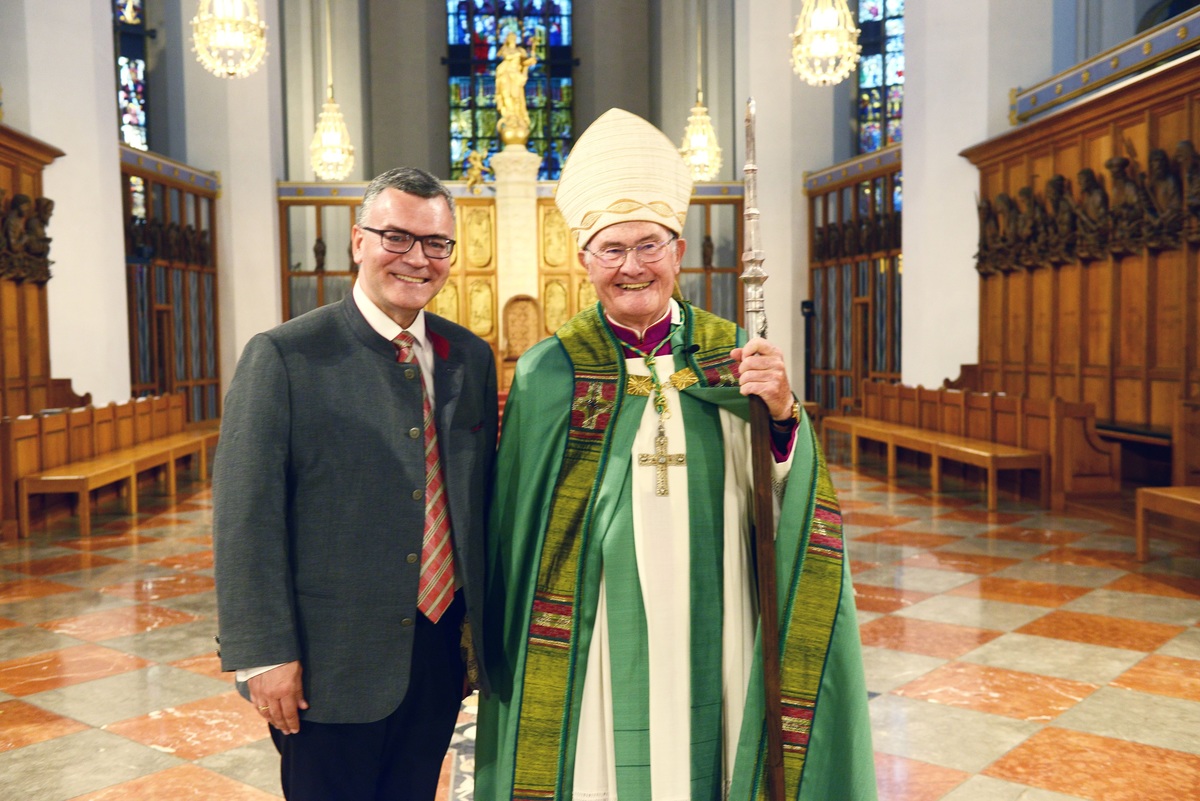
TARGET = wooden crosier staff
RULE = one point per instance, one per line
(762, 462)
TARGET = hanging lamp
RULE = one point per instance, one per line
(228, 37)
(332, 153)
(825, 46)
(700, 149)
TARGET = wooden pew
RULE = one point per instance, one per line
(1182, 502)
(1056, 438)
(81, 450)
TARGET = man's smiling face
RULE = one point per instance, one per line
(634, 294)
(401, 284)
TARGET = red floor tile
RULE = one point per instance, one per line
(911, 539)
(901, 779)
(23, 724)
(62, 564)
(199, 560)
(1035, 593)
(1099, 768)
(62, 668)
(98, 626)
(1163, 675)
(12, 592)
(874, 520)
(1114, 632)
(873, 598)
(983, 516)
(926, 637)
(156, 589)
(198, 729)
(960, 562)
(102, 542)
(1010, 693)
(180, 783)
(1159, 584)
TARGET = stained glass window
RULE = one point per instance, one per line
(129, 22)
(476, 33)
(880, 73)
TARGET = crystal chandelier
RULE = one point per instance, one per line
(700, 149)
(332, 153)
(228, 37)
(825, 44)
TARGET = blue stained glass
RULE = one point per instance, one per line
(895, 8)
(898, 191)
(894, 27)
(895, 132)
(870, 137)
(895, 69)
(128, 12)
(870, 10)
(870, 71)
(131, 99)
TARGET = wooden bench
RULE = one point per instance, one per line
(988, 431)
(1182, 502)
(81, 450)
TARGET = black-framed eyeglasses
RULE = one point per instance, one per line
(396, 240)
(646, 252)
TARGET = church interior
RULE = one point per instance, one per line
(984, 274)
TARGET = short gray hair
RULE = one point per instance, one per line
(410, 180)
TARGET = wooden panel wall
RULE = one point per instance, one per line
(1118, 328)
(25, 383)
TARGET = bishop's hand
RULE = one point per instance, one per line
(763, 374)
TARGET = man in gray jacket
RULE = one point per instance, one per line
(350, 491)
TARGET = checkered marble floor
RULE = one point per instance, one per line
(1011, 655)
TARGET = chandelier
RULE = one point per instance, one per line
(332, 153)
(228, 37)
(825, 44)
(700, 149)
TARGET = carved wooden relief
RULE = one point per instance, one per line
(558, 250)
(554, 295)
(522, 322)
(446, 302)
(481, 305)
(479, 238)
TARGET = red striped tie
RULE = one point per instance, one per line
(436, 588)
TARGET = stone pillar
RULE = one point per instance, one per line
(516, 171)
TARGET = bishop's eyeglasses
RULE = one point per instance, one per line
(646, 252)
(396, 240)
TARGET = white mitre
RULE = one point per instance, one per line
(623, 169)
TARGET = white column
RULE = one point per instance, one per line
(516, 172)
(956, 95)
(71, 96)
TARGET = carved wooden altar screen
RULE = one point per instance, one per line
(315, 222)
(1089, 230)
(25, 383)
(171, 276)
(855, 264)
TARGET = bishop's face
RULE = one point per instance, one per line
(637, 292)
(401, 284)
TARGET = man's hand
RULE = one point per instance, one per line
(279, 695)
(763, 374)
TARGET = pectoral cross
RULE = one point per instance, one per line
(660, 460)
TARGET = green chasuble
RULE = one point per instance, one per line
(562, 555)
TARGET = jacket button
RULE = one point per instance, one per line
(413, 433)
(412, 558)
(417, 494)
(408, 621)
(410, 373)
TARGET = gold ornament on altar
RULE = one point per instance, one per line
(331, 151)
(475, 170)
(700, 149)
(825, 46)
(511, 74)
(228, 37)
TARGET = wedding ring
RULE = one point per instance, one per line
(264, 708)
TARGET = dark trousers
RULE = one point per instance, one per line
(398, 758)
